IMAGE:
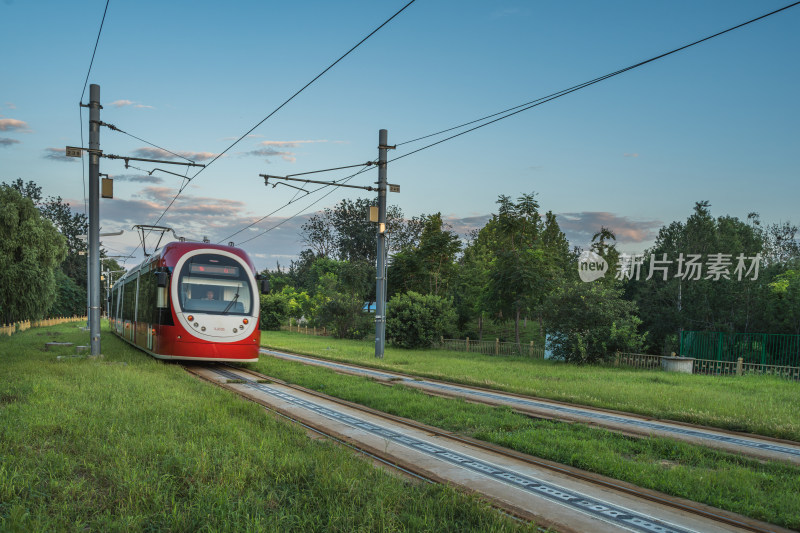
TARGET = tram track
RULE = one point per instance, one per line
(529, 487)
(627, 423)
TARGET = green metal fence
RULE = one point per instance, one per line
(753, 348)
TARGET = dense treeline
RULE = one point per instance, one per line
(42, 257)
(705, 273)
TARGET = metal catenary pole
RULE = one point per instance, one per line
(94, 218)
(380, 288)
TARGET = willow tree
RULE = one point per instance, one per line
(31, 249)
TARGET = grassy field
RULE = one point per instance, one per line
(768, 491)
(758, 404)
(128, 443)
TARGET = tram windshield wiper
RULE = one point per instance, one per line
(235, 297)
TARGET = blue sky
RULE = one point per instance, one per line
(716, 122)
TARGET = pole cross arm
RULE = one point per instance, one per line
(267, 177)
(126, 159)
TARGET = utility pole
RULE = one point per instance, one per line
(93, 237)
(93, 286)
(380, 286)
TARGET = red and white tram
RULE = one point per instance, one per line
(190, 301)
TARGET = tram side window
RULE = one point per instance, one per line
(114, 300)
(147, 298)
(129, 300)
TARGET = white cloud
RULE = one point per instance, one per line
(126, 103)
(158, 153)
(580, 227)
(139, 178)
(8, 142)
(59, 154)
(12, 124)
(289, 144)
(271, 152)
(270, 149)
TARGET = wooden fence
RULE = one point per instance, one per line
(710, 367)
(312, 330)
(494, 347)
(14, 327)
(638, 360)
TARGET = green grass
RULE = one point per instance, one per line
(768, 491)
(130, 443)
(763, 405)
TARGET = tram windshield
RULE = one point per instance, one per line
(215, 284)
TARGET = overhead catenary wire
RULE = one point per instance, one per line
(509, 112)
(80, 102)
(290, 202)
(115, 128)
(248, 132)
(539, 101)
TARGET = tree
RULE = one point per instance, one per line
(274, 310)
(785, 301)
(471, 279)
(418, 320)
(344, 233)
(71, 225)
(319, 234)
(30, 251)
(589, 322)
(429, 267)
(70, 298)
(682, 302)
(781, 243)
(340, 310)
(522, 271)
(556, 244)
(299, 302)
(602, 246)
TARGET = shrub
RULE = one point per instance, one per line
(343, 315)
(589, 322)
(337, 307)
(274, 310)
(417, 321)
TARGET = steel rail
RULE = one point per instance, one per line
(698, 509)
(313, 429)
(557, 403)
